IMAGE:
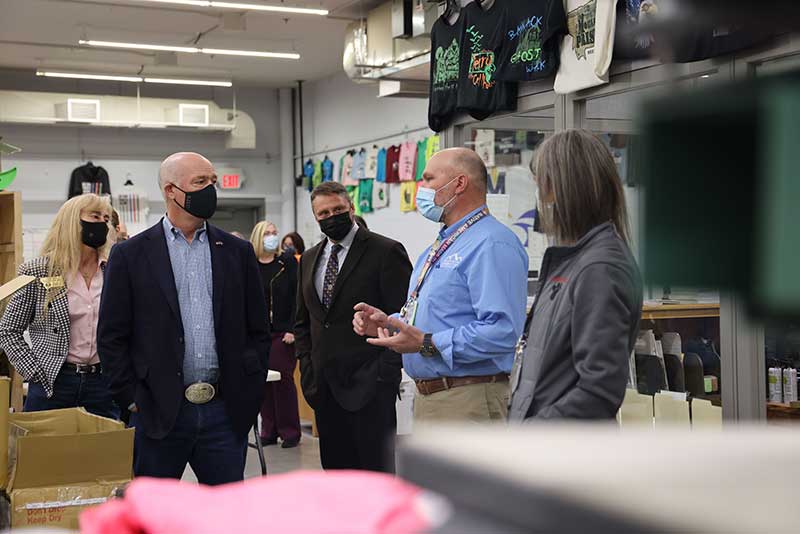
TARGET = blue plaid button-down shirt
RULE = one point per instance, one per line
(191, 266)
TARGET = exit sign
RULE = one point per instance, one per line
(231, 181)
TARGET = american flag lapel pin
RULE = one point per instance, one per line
(218, 243)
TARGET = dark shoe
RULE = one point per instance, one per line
(290, 444)
(265, 442)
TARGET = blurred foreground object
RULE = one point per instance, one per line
(599, 479)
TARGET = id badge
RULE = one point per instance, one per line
(409, 312)
(516, 370)
(52, 282)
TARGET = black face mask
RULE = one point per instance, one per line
(289, 249)
(94, 234)
(336, 227)
(202, 204)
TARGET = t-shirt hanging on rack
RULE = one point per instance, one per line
(353, 192)
(432, 147)
(445, 71)
(393, 164)
(365, 195)
(89, 178)
(316, 178)
(408, 158)
(422, 148)
(371, 166)
(359, 165)
(479, 91)
(408, 197)
(327, 170)
(531, 39)
(380, 175)
(380, 195)
(587, 49)
(347, 170)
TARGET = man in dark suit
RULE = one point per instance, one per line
(183, 333)
(351, 385)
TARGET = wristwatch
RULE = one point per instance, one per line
(428, 349)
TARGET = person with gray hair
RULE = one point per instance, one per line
(572, 362)
(183, 332)
(465, 308)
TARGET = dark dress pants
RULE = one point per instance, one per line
(279, 412)
(73, 390)
(363, 439)
(202, 437)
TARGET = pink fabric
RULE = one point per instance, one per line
(408, 160)
(84, 308)
(356, 502)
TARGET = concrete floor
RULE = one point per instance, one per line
(304, 456)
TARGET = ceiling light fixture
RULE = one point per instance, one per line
(242, 5)
(79, 76)
(190, 49)
(135, 79)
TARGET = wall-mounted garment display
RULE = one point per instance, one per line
(353, 193)
(587, 49)
(89, 178)
(380, 195)
(431, 147)
(531, 40)
(327, 169)
(480, 92)
(365, 195)
(408, 160)
(446, 61)
(393, 164)
(371, 166)
(422, 150)
(408, 197)
(347, 170)
(380, 175)
(359, 165)
(316, 178)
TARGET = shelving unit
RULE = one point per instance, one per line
(680, 311)
(10, 258)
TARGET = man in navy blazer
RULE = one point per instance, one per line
(183, 333)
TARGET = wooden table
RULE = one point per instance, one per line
(779, 413)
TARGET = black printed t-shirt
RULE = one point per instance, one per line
(480, 92)
(531, 39)
(445, 71)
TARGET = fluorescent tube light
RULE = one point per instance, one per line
(242, 6)
(79, 76)
(188, 82)
(136, 79)
(189, 50)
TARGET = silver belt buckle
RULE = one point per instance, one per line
(200, 393)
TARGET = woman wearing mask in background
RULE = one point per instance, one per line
(573, 359)
(279, 413)
(60, 311)
(294, 245)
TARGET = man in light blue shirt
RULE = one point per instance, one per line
(466, 306)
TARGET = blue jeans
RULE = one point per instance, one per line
(72, 390)
(202, 437)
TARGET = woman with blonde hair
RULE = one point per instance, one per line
(572, 361)
(60, 311)
(279, 412)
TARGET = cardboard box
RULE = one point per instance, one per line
(62, 461)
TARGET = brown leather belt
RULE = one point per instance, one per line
(435, 385)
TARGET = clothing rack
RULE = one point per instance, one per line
(361, 143)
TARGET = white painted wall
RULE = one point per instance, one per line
(340, 115)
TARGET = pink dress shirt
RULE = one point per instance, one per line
(84, 307)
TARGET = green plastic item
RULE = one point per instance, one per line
(6, 177)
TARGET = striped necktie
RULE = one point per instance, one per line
(331, 272)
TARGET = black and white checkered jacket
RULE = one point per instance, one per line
(49, 332)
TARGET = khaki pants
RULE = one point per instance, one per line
(477, 403)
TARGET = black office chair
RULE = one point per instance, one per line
(675, 378)
(649, 374)
(694, 375)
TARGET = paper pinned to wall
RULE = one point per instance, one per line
(484, 146)
(500, 207)
(537, 245)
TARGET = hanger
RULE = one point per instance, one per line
(128, 183)
(452, 7)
